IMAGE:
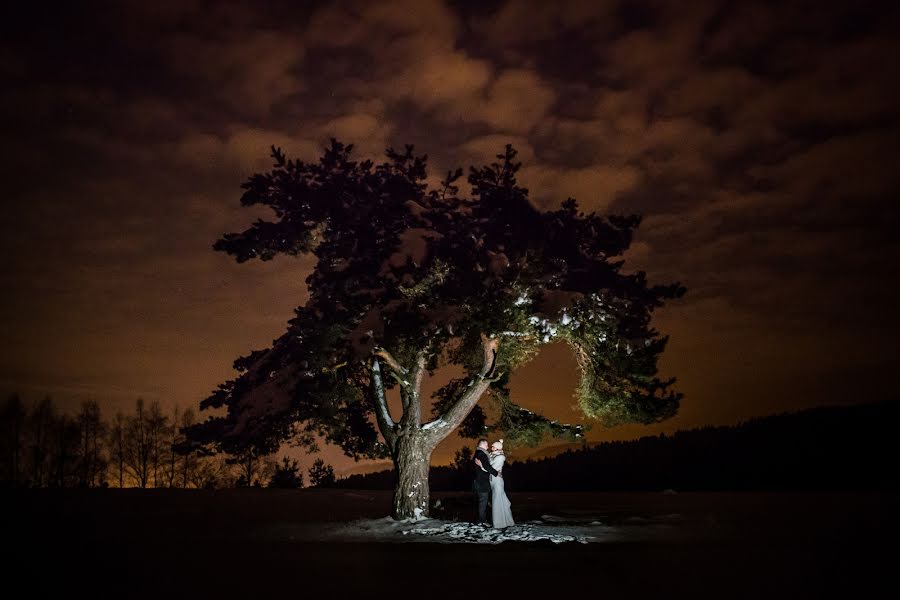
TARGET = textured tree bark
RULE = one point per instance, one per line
(412, 443)
(412, 459)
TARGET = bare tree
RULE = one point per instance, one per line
(66, 450)
(13, 419)
(250, 464)
(170, 471)
(138, 445)
(91, 430)
(116, 442)
(212, 472)
(40, 424)
(266, 471)
(188, 459)
(157, 426)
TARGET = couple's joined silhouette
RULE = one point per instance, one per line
(488, 485)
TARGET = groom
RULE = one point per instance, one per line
(482, 483)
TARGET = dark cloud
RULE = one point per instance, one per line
(758, 139)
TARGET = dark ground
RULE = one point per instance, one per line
(208, 544)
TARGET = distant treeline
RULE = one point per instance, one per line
(44, 447)
(828, 448)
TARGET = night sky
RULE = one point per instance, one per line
(759, 141)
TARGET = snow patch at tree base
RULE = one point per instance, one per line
(440, 531)
(468, 532)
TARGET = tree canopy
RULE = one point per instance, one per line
(409, 279)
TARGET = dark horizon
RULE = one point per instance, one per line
(822, 448)
(759, 144)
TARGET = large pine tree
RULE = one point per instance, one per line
(409, 279)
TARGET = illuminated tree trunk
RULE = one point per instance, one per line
(412, 460)
(411, 443)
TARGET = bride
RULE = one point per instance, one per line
(500, 505)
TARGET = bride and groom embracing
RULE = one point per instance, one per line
(488, 484)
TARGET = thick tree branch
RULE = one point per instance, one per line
(450, 420)
(390, 361)
(382, 414)
(418, 373)
(412, 402)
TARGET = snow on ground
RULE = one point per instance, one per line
(549, 527)
(525, 532)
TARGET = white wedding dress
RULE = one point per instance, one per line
(500, 505)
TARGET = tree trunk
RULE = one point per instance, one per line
(412, 459)
(411, 443)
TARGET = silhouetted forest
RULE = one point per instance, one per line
(828, 448)
(44, 447)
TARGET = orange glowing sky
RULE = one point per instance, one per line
(759, 142)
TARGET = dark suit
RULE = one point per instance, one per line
(482, 483)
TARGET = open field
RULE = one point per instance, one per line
(260, 542)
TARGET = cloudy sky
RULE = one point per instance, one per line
(759, 141)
